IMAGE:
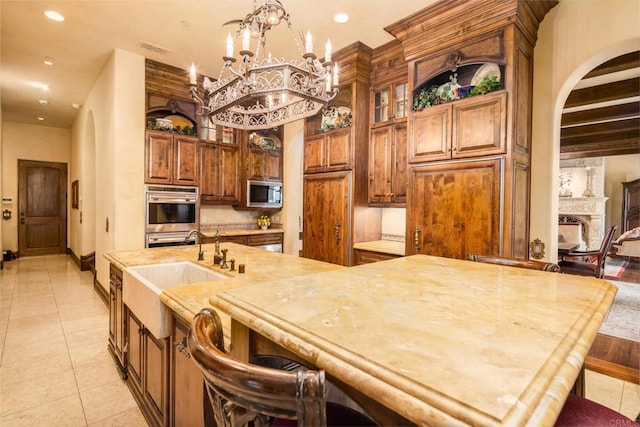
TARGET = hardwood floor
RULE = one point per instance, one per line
(613, 356)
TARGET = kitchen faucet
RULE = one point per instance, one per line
(199, 241)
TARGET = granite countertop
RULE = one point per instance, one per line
(240, 231)
(382, 246)
(260, 267)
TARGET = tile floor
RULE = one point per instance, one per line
(52, 319)
(55, 369)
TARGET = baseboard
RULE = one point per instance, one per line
(102, 293)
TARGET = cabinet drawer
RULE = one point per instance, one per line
(264, 239)
(365, 257)
(242, 240)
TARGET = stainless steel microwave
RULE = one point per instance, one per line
(264, 194)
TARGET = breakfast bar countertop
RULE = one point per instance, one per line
(383, 246)
(435, 340)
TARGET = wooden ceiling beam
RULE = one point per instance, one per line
(615, 148)
(621, 111)
(620, 63)
(603, 139)
(600, 128)
(602, 93)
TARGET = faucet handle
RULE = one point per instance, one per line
(233, 265)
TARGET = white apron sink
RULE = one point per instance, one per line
(143, 284)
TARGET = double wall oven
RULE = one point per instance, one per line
(171, 212)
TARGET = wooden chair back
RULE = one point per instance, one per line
(515, 262)
(588, 263)
(243, 393)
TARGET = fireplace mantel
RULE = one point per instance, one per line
(591, 211)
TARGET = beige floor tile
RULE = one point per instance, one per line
(34, 352)
(97, 373)
(604, 389)
(37, 391)
(32, 334)
(98, 321)
(130, 418)
(35, 321)
(63, 412)
(630, 405)
(106, 401)
(19, 312)
(94, 348)
(19, 371)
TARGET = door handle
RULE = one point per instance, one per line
(336, 230)
(416, 239)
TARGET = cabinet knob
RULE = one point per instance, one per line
(416, 239)
(337, 232)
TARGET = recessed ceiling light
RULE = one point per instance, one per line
(53, 15)
(41, 118)
(341, 18)
(75, 105)
(48, 60)
(43, 102)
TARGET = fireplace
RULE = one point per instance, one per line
(591, 212)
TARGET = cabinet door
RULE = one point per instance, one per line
(399, 164)
(479, 125)
(209, 190)
(431, 134)
(187, 392)
(380, 160)
(454, 209)
(273, 164)
(314, 153)
(116, 316)
(326, 217)
(134, 349)
(229, 174)
(158, 158)
(338, 150)
(186, 160)
(257, 164)
(156, 375)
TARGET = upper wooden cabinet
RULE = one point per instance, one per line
(264, 165)
(328, 151)
(388, 165)
(467, 128)
(219, 173)
(171, 158)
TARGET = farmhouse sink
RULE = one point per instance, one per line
(142, 286)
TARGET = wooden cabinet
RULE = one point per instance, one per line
(116, 319)
(328, 152)
(264, 165)
(171, 158)
(189, 402)
(326, 217)
(388, 165)
(363, 256)
(475, 117)
(454, 209)
(467, 128)
(630, 205)
(219, 173)
(249, 239)
(148, 368)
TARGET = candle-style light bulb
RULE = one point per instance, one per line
(192, 74)
(327, 51)
(335, 75)
(229, 46)
(327, 86)
(246, 38)
(308, 42)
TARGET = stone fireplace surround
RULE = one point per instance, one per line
(591, 212)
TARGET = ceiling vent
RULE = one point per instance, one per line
(153, 48)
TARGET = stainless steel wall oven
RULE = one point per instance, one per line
(171, 212)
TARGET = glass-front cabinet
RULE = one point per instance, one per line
(390, 102)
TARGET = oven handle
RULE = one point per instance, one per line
(171, 199)
(154, 239)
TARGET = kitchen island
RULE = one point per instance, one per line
(420, 339)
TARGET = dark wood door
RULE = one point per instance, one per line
(42, 196)
(326, 217)
(159, 158)
(186, 160)
(454, 209)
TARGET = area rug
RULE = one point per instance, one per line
(614, 267)
(623, 319)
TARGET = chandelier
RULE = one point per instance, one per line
(264, 91)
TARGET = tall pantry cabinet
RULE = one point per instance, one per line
(335, 208)
(469, 175)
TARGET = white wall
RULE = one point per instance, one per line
(574, 37)
(28, 142)
(110, 128)
(618, 169)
